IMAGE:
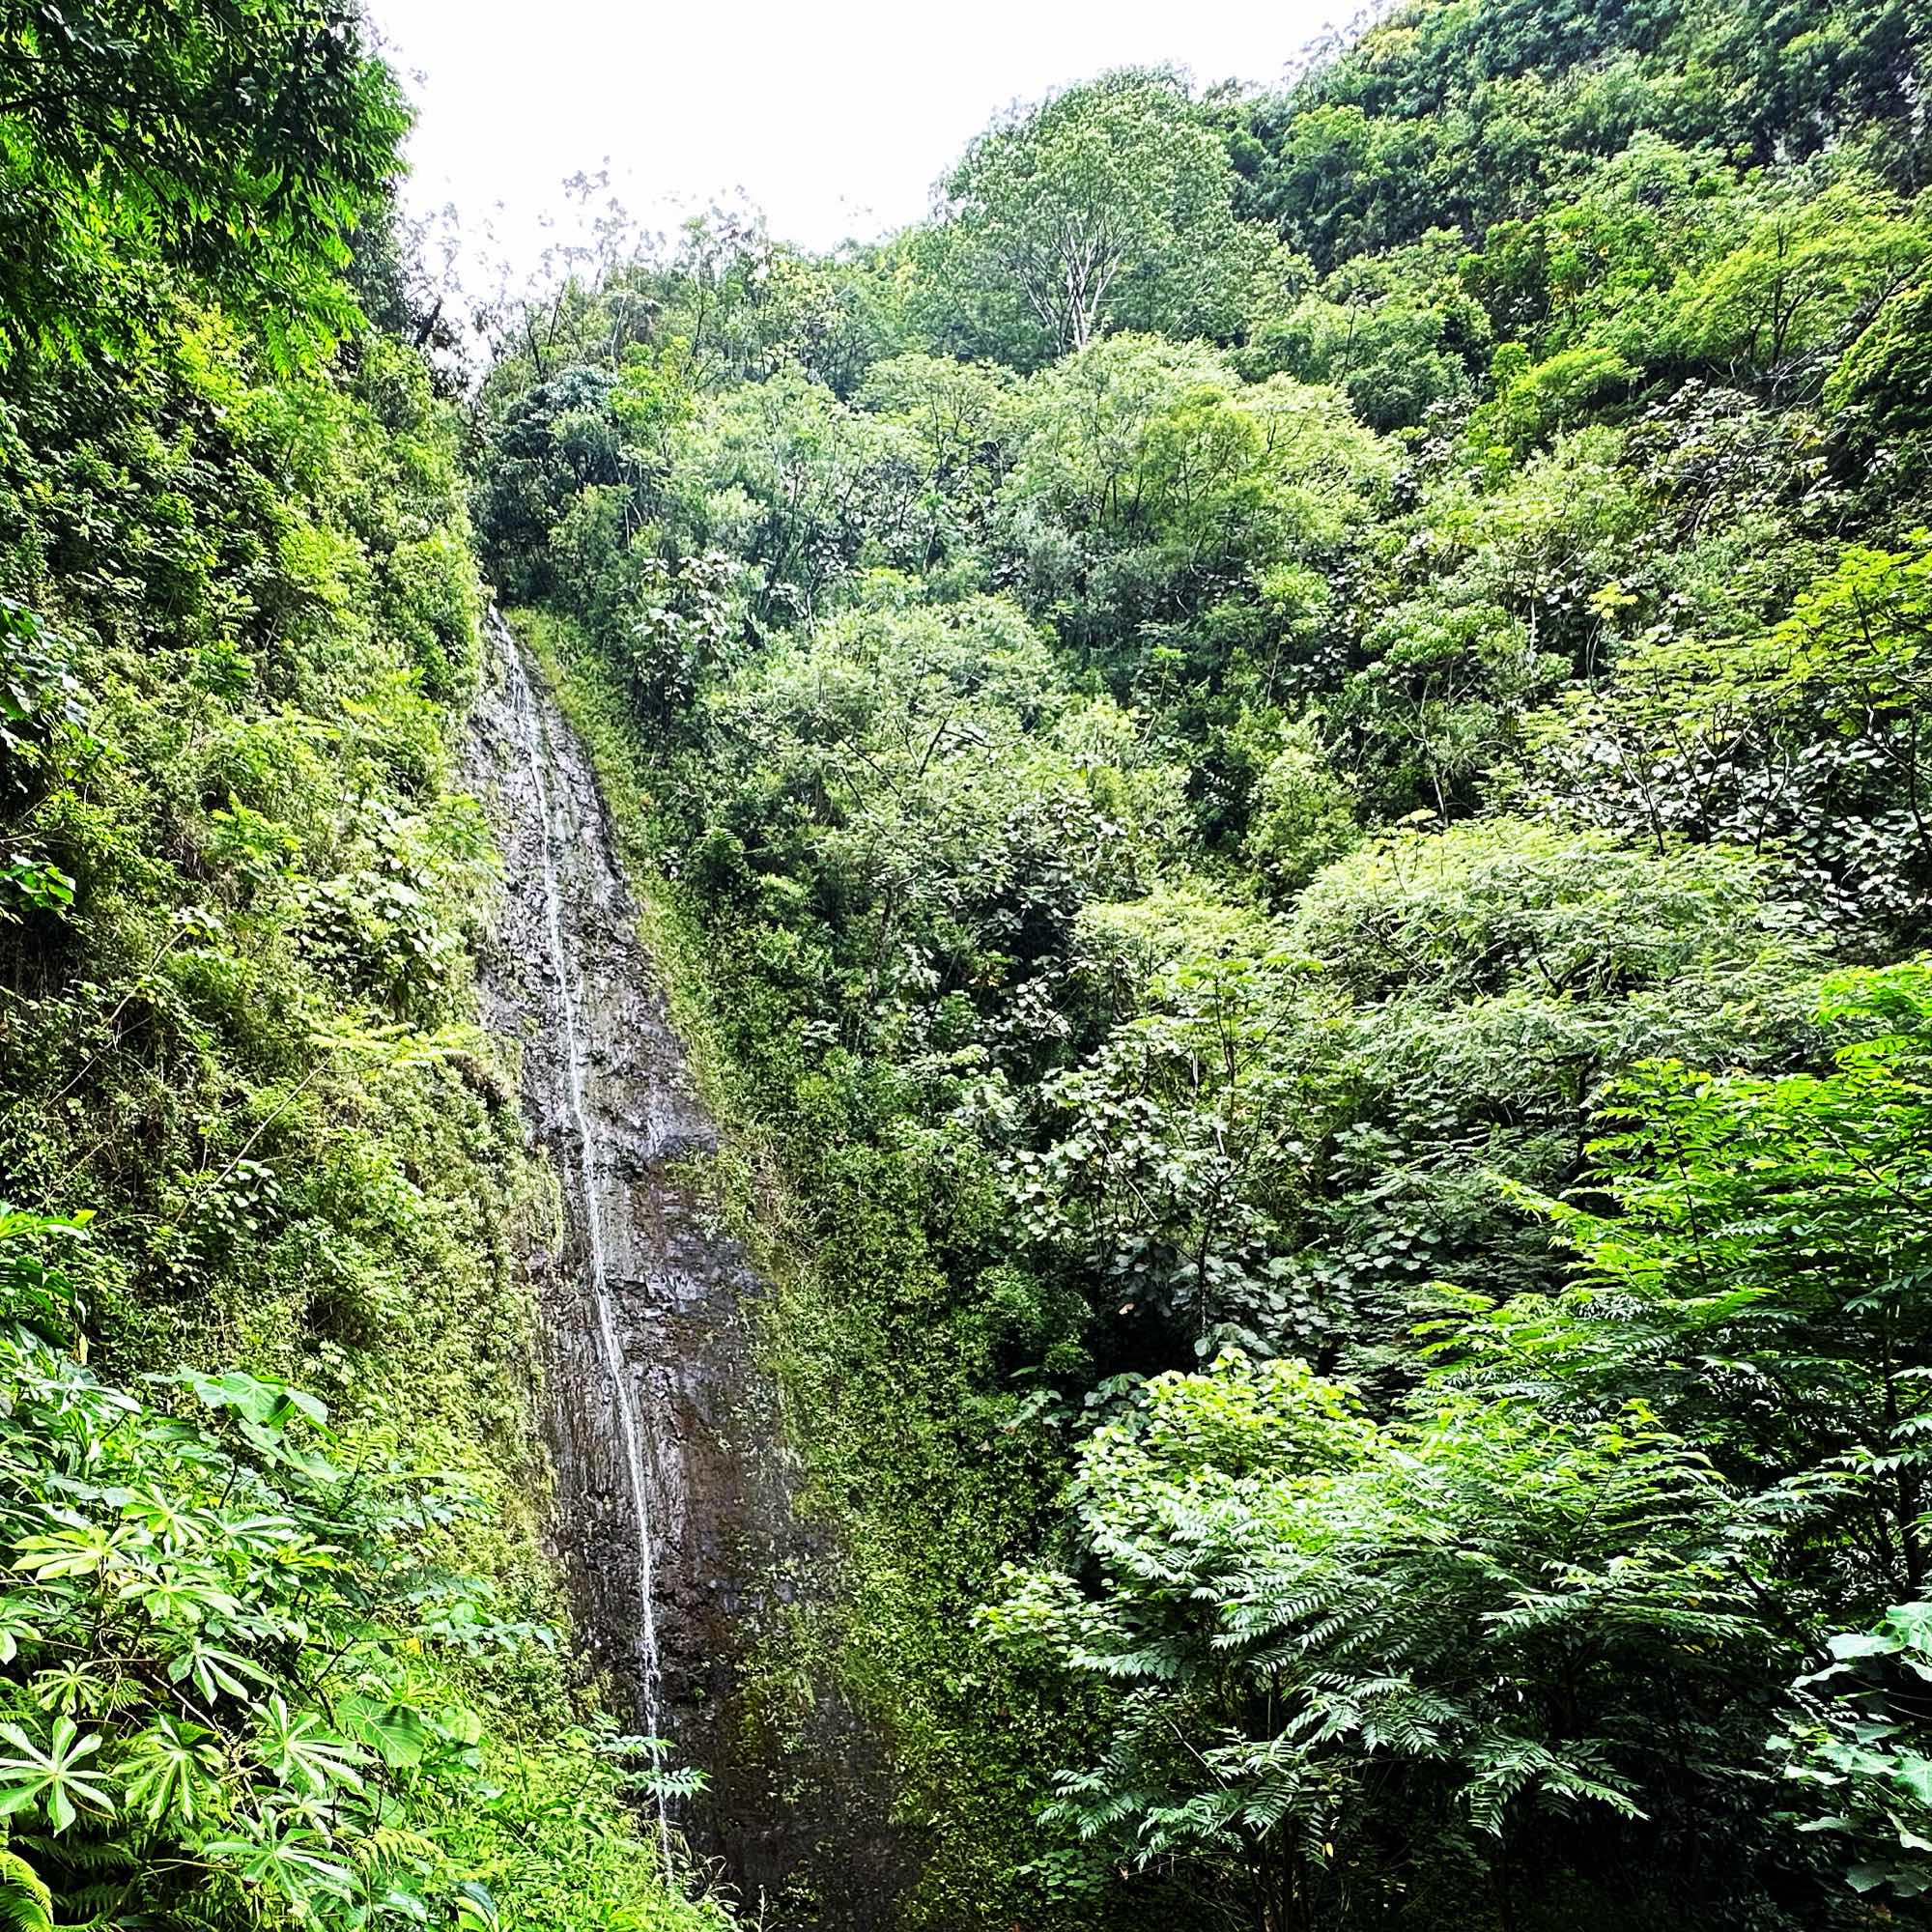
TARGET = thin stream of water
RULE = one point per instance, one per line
(630, 1422)
(671, 1514)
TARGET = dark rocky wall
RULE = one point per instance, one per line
(644, 1288)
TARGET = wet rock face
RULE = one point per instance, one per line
(671, 1513)
(644, 1307)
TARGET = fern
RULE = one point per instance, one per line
(26, 1905)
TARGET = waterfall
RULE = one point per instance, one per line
(670, 1513)
(630, 1423)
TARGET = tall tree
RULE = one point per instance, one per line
(1108, 202)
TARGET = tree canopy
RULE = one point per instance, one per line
(1289, 767)
(238, 143)
(1277, 768)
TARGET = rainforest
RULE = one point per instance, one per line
(1071, 1073)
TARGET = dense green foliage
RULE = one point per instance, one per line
(278, 1638)
(249, 1668)
(1283, 759)
(238, 141)
(1281, 762)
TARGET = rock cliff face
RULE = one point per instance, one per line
(672, 1514)
(670, 1510)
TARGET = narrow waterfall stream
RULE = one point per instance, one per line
(535, 741)
(659, 1513)
(671, 1513)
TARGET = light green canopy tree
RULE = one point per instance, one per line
(237, 141)
(1108, 203)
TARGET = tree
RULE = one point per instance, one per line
(237, 141)
(1280, 684)
(1806, 744)
(1807, 279)
(1178, 1153)
(1107, 202)
(1759, 1277)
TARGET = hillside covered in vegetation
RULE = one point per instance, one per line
(1282, 769)
(279, 1648)
(1285, 761)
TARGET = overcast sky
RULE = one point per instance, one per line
(835, 119)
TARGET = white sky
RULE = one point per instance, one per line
(835, 119)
